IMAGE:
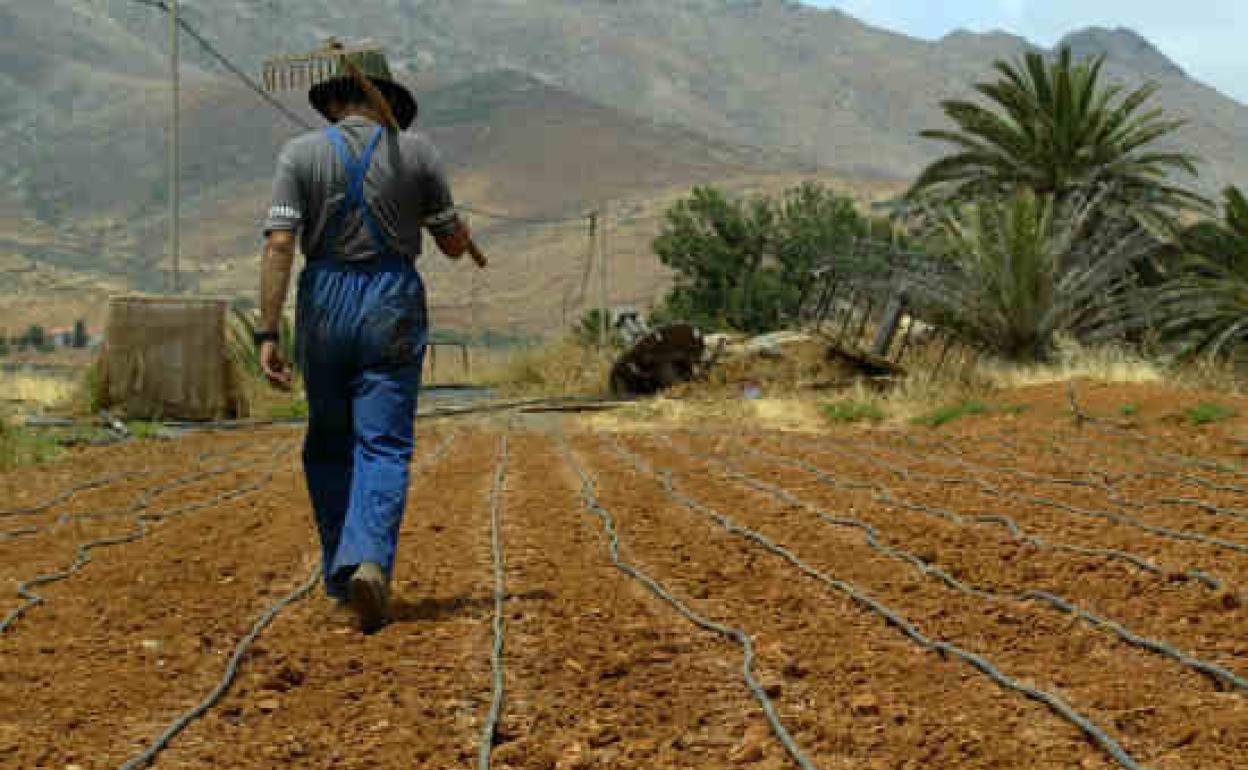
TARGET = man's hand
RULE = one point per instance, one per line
(460, 242)
(275, 367)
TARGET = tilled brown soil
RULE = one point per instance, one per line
(1101, 569)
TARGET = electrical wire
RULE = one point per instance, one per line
(233, 68)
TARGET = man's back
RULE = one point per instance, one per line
(405, 189)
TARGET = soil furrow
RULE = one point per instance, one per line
(851, 689)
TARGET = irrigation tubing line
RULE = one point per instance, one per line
(1117, 518)
(1016, 531)
(490, 728)
(143, 522)
(1174, 460)
(87, 486)
(590, 500)
(895, 619)
(142, 501)
(1222, 677)
(1111, 492)
(1132, 521)
(61, 497)
(148, 755)
(1184, 502)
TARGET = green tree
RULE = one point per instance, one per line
(747, 265)
(1056, 128)
(35, 337)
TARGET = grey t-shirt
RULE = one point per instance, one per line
(405, 188)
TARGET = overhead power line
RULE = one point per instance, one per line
(231, 66)
(254, 86)
(523, 219)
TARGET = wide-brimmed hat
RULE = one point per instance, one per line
(341, 86)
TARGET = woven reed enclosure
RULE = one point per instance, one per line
(168, 359)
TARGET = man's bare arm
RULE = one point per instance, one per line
(460, 242)
(275, 269)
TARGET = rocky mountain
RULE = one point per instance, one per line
(543, 105)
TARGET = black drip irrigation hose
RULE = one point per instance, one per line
(90, 485)
(1104, 485)
(1098, 736)
(76, 489)
(1221, 677)
(141, 503)
(148, 755)
(490, 727)
(61, 497)
(1015, 530)
(1185, 535)
(591, 503)
(142, 529)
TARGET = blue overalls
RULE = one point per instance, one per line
(361, 334)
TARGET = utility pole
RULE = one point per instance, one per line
(475, 318)
(175, 130)
(603, 300)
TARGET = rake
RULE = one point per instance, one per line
(299, 72)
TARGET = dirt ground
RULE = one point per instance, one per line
(1011, 590)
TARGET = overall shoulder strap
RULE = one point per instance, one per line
(356, 171)
(333, 228)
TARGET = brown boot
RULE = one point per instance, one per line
(370, 596)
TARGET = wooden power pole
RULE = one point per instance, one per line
(175, 129)
(603, 293)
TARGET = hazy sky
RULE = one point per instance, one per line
(1207, 38)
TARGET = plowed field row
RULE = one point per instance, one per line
(1054, 600)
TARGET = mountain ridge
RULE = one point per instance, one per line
(688, 90)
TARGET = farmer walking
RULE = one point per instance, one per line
(357, 195)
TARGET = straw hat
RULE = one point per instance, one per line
(341, 86)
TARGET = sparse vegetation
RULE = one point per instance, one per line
(1205, 414)
(143, 429)
(1128, 410)
(19, 447)
(293, 409)
(850, 411)
(950, 413)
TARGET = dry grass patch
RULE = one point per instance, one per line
(1106, 364)
(37, 389)
(557, 368)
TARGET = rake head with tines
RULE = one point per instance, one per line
(333, 61)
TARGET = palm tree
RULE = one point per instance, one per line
(1204, 311)
(1012, 273)
(1055, 128)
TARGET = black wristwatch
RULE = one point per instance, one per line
(259, 338)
